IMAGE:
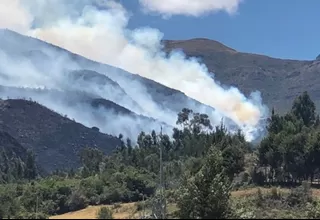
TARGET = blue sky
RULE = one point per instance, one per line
(279, 28)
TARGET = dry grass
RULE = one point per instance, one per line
(129, 210)
(248, 192)
(125, 211)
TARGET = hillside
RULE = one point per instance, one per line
(56, 140)
(278, 80)
(14, 159)
(11, 146)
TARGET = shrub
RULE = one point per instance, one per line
(259, 198)
(116, 205)
(300, 195)
(313, 210)
(77, 201)
(275, 193)
(104, 213)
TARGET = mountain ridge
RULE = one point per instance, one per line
(278, 80)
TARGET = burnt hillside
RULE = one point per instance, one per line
(56, 140)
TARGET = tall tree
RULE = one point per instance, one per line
(91, 158)
(31, 169)
(206, 195)
(304, 108)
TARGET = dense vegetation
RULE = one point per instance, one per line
(201, 166)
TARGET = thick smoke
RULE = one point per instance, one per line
(71, 97)
(98, 30)
(190, 8)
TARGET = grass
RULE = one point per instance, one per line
(252, 191)
(129, 210)
(122, 211)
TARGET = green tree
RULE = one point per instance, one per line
(91, 159)
(206, 195)
(304, 108)
(31, 170)
(233, 160)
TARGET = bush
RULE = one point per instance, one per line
(77, 201)
(275, 193)
(116, 205)
(313, 210)
(259, 198)
(243, 208)
(300, 195)
(140, 206)
(104, 213)
(33, 216)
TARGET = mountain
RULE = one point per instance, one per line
(56, 140)
(87, 93)
(138, 94)
(11, 146)
(13, 157)
(278, 80)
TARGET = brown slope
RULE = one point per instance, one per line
(56, 140)
(278, 80)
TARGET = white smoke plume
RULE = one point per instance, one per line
(51, 88)
(189, 7)
(98, 30)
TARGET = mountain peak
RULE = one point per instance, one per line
(193, 45)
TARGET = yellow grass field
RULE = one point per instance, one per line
(125, 211)
(129, 210)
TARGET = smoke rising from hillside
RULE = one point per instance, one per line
(72, 97)
(98, 30)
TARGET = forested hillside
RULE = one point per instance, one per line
(202, 165)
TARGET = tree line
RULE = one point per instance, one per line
(291, 151)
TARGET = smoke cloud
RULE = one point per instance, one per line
(190, 8)
(72, 97)
(98, 30)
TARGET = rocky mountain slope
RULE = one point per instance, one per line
(278, 80)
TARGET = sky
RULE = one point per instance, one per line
(287, 29)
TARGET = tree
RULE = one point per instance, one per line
(91, 159)
(233, 160)
(77, 201)
(304, 108)
(195, 122)
(206, 195)
(31, 170)
(275, 123)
